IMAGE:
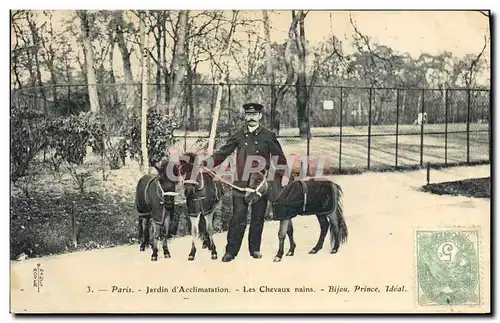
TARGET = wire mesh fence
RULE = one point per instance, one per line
(351, 128)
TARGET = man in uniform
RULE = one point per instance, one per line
(250, 141)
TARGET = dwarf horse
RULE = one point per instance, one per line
(318, 196)
(203, 200)
(154, 202)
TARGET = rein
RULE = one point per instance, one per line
(242, 189)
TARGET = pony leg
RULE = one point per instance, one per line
(334, 233)
(290, 237)
(146, 227)
(323, 224)
(210, 233)
(140, 227)
(166, 252)
(155, 240)
(281, 236)
(194, 233)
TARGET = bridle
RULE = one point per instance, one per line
(162, 192)
(200, 185)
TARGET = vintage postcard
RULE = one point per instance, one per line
(250, 161)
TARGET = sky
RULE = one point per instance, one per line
(412, 32)
(415, 32)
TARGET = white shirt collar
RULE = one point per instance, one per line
(252, 129)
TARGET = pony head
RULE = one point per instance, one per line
(191, 173)
(168, 175)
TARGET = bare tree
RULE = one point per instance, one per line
(125, 52)
(300, 84)
(89, 57)
(179, 64)
(274, 121)
(290, 73)
(144, 105)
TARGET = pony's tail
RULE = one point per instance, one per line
(343, 232)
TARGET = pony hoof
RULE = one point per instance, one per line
(154, 258)
(334, 251)
(277, 259)
(167, 255)
(214, 257)
(191, 258)
(290, 253)
(142, 248)
(313, 252)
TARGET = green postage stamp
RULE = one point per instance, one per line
(448, 267)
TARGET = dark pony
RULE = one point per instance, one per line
(203, 199)
(318, 196)
(154, 202)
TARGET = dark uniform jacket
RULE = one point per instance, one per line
(261, 142)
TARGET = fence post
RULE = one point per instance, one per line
(468, 125)
(422, 130)
(229, 105)
(397, 124)
(69, 99)
(341, 115)
(185, 128)
(272, 114)
(369, 126)
(308, 114)
(446, 126)
(73, 225)
(489, 124)
(428, 173)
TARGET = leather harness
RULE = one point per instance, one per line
(304, 190)
(146, 199)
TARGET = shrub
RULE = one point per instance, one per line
(160, 136)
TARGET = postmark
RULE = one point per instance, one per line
(448, 267)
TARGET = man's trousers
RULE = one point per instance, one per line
(238, 223)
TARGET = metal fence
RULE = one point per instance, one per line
(349, 127)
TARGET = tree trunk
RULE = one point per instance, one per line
(179, 67)
(112, 77)
(190, 78)
(36, 45)
(274, 122)
(144, 105)
(127, 66)
(89, 57)
(300, 85)
(288, 64)
(166, 74)
(158, 39)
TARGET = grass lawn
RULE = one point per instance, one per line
(474, 187)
